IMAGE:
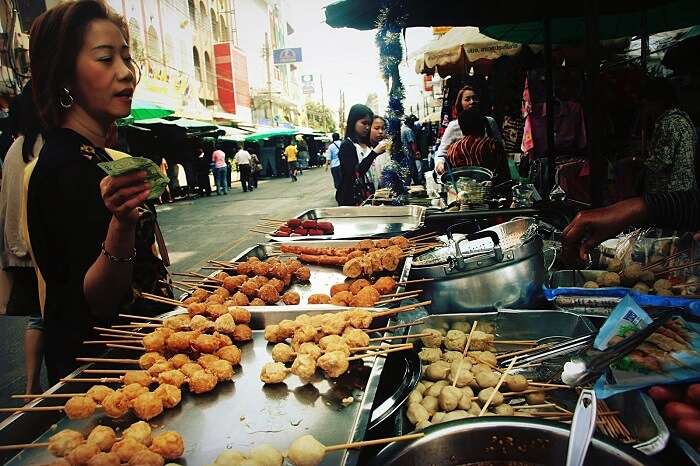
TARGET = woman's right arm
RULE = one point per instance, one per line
(451, 134)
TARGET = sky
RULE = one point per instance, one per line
(348, 59)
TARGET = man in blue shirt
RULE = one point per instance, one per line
(333, 160)
(410, 148)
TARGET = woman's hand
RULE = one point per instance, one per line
(122, 195)
(380, 148)
(440, 167)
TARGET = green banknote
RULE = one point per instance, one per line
(154, 177)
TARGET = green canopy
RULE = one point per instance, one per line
(362, 14)
(674, 15)
(143, 110)
(267, 134)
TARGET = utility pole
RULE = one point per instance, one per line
(266, 54)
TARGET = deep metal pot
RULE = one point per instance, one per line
(502, 441)
(509, 274)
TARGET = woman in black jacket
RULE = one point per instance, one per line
(351, 168)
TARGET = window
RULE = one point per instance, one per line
(224, 29)
(153, 45)
(193, 13)
(203, 17)
(135, 43)
(209, 71)
(197, 65)
(214, 26)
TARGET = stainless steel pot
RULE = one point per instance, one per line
(502, 266)
(502, 441)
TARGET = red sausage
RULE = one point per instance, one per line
(689, 429)
(693, 394)
(294, 222)
(666, 393)
(309, 224)
(284, 228)
(315, 232)
(301, 231)
(676, 410)
(325, 226)
(281, 233)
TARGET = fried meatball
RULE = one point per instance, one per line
(455, 340)
(303, 274)
(357, 285)
(310, 349)
(283, 353)
(202, 382)
(319, 298)
(159, 367)
(304, 367)
(99, 392)
(221, 291)
(222, 369)
(291, 298)
(342, 298)
(79, 407)
(63, 442)
(370, 292)
(273, 372)
(170, 395)
(216, 310)
(191, 368)
(486, 393)
(200, 293)
(148, 359)
(139, 431)
(146, 458)
(292, 265)
(516, 383)
(81, 454)
(355, 338)
(277, 284)
(154, 342)
(481, 341)
(206, 343)
(303, 334)
(179, 360)
(610, 279)
(103, 437)
(240, 299)
(147, 406)
(215, 299)
(116, 404)
(105, 459)
(273, 334)
(429, 355)
(179, 342)
(250, 288)
(233, 283)
(133, 390)
(190, 300)
(225, 324)
(268, 294)
(240, 315)
(486, 379)
(230, 353)
(257, 302)
(173, 377)
(206, 359)
(196, 309)
(363, 300)
(242, 333)
(230, 458)
(169, 445)
(126, 448)
(359, 318)
(261, 268)
(306, 451)
(266, 455)
(339, 287)
(535, 398)
(334, 363)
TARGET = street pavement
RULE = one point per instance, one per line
(215, 227)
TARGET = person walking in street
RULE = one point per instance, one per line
(218, 157)
(354, 185)
(290, 154)
(332, 159)
(203, 167)
(255, 169)
(167, 194)
(410, 147)
(14, 250)
(242, 159)
(91, 235)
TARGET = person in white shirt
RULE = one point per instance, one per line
(242, 159)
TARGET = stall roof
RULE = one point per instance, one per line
(234, 134)
(363, 14)
(267, 134)
(670, 16)
(144, 110)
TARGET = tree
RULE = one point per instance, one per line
(320, 117)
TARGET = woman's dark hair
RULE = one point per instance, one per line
(659, 89)
(22, 120)
(472, 122)
(357, 112)
(379, 117)
(457, 107)
(55, 40)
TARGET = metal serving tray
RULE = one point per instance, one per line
(637, 411)
(243, 413)
(322, 277)
(362, 222)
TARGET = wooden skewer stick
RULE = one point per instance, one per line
(396, 337)
(105, 371)
(149, 319)
(525, 351)
(135, 348)
(417, 280)
(497, 387)
(109, 360)
(178, 286)
(392, 327)
(107, 342)
(259, 231)
(545, 405)
(273, 219)
(678, 267)
(398, 298)
(23, 446)
(136, 325)
(423, 235)
(403, 293)
(397, 310)
(205, 277)
(92, 380)
(119, 332)
(516, 342)
(48, 395)
(119, 338)
(160, 299)
(665, 259)
(380, 353)
(464, 352)
(542, 384)
(524, 392)
(33, 409)
(368, 443)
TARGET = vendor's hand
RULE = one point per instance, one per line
(381, 146)
(440, 167)
(592, 227)
(122, 195)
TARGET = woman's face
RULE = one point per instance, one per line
(362, 127)
(469, 99)
(377, 132)
(105, 75)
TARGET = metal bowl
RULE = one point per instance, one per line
(502, 441)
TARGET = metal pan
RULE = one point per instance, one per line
(362, 222)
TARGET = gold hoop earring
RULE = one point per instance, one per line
(66, 95)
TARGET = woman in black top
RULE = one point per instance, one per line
(82, 224)
(351, 169)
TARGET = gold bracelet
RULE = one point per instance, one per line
(120, 260)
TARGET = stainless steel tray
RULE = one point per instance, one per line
(637, 411)
(362, 222)
(243, 413)
(322, 277)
